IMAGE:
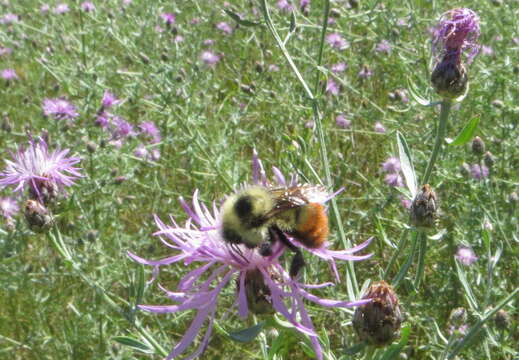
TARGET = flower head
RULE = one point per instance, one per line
(9, 19)
(209, 58)
(224, 27)
(169, 18)
(109, 100)
(337, 41)
(149, 129)
(466, 255)
(391, 165)
(262, 284)
(342, 122)
(61, 9)
(59, 109)
(455, 37)
(39, 170)
(88, 6)
(9, 74)
(384, 47)
(478, 172)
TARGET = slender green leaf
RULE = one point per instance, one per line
(406, 162)
(134, 344)
(395, 349)
(247, 334)
(466, 133)
(355, 349)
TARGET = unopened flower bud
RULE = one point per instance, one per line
(449, 79)
(498, 104)
(489, 159)
(423, 208)
(502, 320)
(513, 197)
(458, 317)
(38, 217)
(91, 147)
(378, 322)
(257, 292)
(478, 146)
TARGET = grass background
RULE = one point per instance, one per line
(211, 118)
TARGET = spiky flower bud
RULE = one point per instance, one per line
(489, 159)
(502, 320)
(478, 146)
(458, 317)
(38, 217)
(423, 208)
(450, 79)
(257, 292)
(378, 322)
(45, 191)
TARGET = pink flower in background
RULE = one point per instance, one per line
(342, 122)
(61, 9)
(332, 87)
(391, 165)
(209, 58)
(109, 100)
(88, 6)
(384, 47)
(35, 167)
(394, 180)
(59, 108)
(379, 128)
(169, 18)
(9, 75)
(339, 67)
(337, 41)
(8, 207)
(9, 19)
(224, 27)
(466, 255)
(149, 129)
(284, 5)
(478, 172)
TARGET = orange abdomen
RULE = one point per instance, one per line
(312, 226)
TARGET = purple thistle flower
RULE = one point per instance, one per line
(304, 5)
(273, 68)
(384, 47)
(394, 180)
(148, 128)
(466, 255)
(284, 5)
(141, 152)
(36, 167)
(109, 100)
(365, 72)
(59, 109)
(332, 87)
(5, 51)
(169, 18)
(339, 67)
(391, 165)
(224, 27)
(88, 6)
(121, 128)
(456, 33)
(102, 119)
(8, 207)
(200, 241)
(44, 8)
(9, 19)
(478, 172)
(337, 41)
(209, 58)
(342, 122)
(208, 42)
(61, 9)
(9, 75)
(487, 50)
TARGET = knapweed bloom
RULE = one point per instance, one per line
(61, 9)
(260, 283)
(9, 75)
(59, 109)
(88, 6)
(42, 172)
(169, 18)
(109, 100)
(479, 172)
(342, 122)
(455, 37)
(337, 41)
(209, 58)
(8, 207)
(224, 27)
(150, 130)
(466, 255)
(391, 165)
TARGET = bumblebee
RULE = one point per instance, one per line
(259, 216)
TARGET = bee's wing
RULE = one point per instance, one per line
(287, 198)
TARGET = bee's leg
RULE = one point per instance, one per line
(265, 249)
(297, 261)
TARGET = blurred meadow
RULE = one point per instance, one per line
(198, 86)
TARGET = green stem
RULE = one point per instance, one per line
(422, 249)
(440, 134)
(405, 268)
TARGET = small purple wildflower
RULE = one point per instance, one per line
(456, 33)
(394, 180)
(169, 18)
(108, 100)
(339, 67)
(304, 5)
(121, 128)
(59, 109)
(380, 128)
(337, 41)
(466, 255)
(209, 58)
(102, 119)
(5, 51)
(310, 124)
(208, 42)
(9, 19)
(365, 72)
(88, 6)
(61, 9)
(405, 202)
(178, 39)
(200, 241)
(35, 165)
(332, 87)
(44, 8)
(9, 75)
(391, 165)
(273, 68)
(487, 50)
(224, 27)
(284, 5)
(148, 128)
(8, 207)
(141, 152)
(478, 172)
(342, 122)
(384, 47)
